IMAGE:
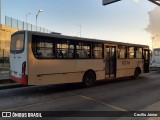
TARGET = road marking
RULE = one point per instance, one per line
(30, 105)
(61, 99)
(103, 103)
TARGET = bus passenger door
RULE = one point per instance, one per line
(146, 57)
(110, 61)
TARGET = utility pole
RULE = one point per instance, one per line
(0, 13)
(80, 30)
(27, 21)
(153, 40)
(37, 18)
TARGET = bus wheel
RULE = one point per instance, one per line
(89, 79)
(136, 74)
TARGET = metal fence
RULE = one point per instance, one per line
(4, 59)
(23, 25)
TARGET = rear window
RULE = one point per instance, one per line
(17, 43)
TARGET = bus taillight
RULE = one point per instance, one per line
(23, 68)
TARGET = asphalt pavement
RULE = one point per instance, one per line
(121, 95)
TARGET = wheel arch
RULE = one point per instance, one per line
(138, 69)
(90, 70)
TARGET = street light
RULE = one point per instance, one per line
(80, 29)
(26, 20)
(153, 39)
(37, 17)
(0, 12)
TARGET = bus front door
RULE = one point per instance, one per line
(110, 62)
(146, 57)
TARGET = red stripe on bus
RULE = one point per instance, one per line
(23, 80)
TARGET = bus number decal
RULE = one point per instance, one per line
(125, 62)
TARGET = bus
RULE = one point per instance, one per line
(41, 59)
(155, 59)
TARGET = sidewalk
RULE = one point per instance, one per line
(4, 75)
(153, 107)
(5, 82)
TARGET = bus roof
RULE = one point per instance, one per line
(81, 39)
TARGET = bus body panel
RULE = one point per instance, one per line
(18, 66)
(65, 71)
(155, 60)
(44, 71)
(126, 67)
(31, 61)
(57, 71)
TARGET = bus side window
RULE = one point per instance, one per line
(38, 54)
(68, 53)
(131, 52)
(122, 52)
(138, 52)
(97, 51)
(76, 55)
(83, 50)
(59, 54)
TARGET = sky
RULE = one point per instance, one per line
(124, 21)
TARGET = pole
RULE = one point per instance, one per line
(152, 43)
(36, 21)
(0, 13)
(3, 57)
(37, 18)
(153, 40)
(79, 30)
(27, 21)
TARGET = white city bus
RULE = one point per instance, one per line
(155, 59)
(42, 59)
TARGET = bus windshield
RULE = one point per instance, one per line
(17, 43)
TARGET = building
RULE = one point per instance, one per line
(5, 38)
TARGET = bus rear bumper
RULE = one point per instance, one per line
(23, 80)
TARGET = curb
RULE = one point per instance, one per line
(4, 72)
(3, 81)
(9, 86)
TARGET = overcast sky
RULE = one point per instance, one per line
(123, 21)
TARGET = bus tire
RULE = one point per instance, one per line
(89, 79)
(136, 74)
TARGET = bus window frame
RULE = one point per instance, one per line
(93, 45)
(63, 41)
(133, 52)
(34, 46)
(126, 52)
(18, 51)
(136, 53)
(55, 40)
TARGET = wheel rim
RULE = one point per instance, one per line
(89, 79)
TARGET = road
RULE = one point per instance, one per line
(121, 95)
